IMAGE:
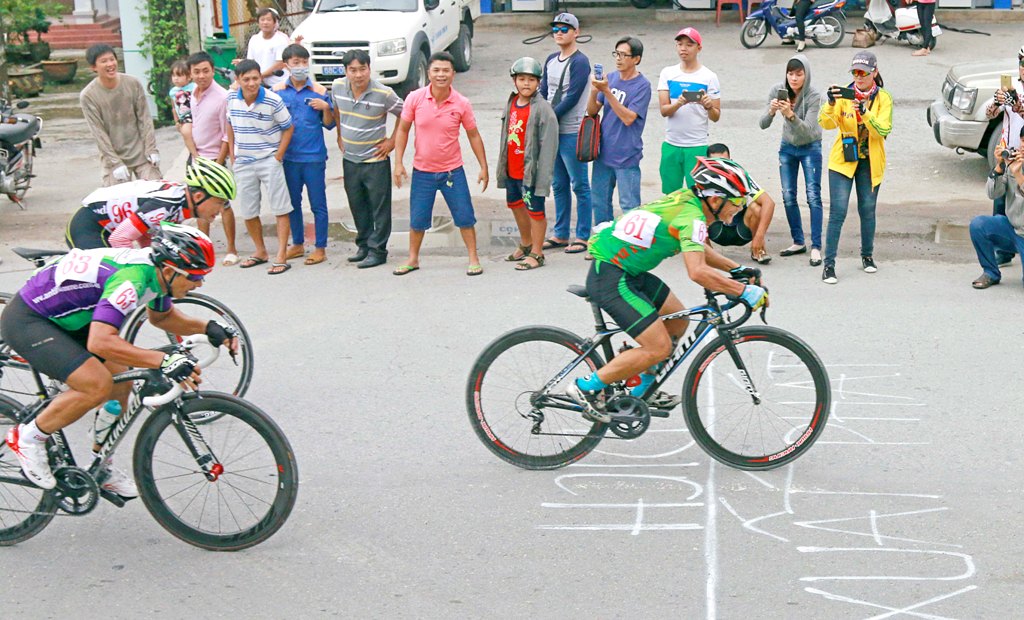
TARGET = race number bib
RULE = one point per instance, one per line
(124, 298)
(637, 228)
(700, 232)
(78, 265)
(118, 210)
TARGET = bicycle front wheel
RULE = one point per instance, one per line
(25, 509)
(224, 376)
(247, 503)
(510, 414)
(792, 388)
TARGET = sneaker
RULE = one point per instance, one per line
(869, 264)
(1003, 258)
(664, 400)
(118, 482)
(828, 275)
(589, 402)
(33, 459)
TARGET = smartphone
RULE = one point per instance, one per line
(845, 93)
(1006, 82)
(782, 95)
(598, 71)
(692, 95)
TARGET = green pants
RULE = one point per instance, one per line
(676, 164)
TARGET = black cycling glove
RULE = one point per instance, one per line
(178, 366)
(218, 332)
(751, 274)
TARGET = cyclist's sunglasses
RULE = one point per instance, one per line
(562, 29)
(860, 73)
(739, 202)
(192, 277)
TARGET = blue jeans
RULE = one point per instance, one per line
(839, 188)
(453, 186)
(571, 171)
(990, 234)
(604, 180)
(999, 208)
(313, 176)
(790, 159)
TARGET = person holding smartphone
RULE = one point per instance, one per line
(798, 102)
(862, 112)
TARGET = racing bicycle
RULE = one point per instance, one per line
(226, 485)
(754, 397)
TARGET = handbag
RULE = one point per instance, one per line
(863, 37)
(588, 140)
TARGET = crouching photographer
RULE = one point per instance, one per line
(1000, 233)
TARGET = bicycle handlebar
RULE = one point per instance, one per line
(187, 344)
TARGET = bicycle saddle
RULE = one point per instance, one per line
(33, 254)
(578, 290)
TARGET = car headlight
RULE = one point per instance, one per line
(947, 87)
(391, 47)
(963, 98)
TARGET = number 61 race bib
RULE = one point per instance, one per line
(637, 228)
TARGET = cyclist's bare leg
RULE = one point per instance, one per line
(655, 345)
(89, 387)
(119, 391)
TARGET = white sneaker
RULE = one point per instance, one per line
(33, 459)
(118, 482)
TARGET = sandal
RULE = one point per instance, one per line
(525, 266)
(403, 270)
(474, 270)
(523, 250)
(984, 281)
(315, 259)
(278, 268)
(576, 247)
(253, 261)
(762, 258)
(230, 259)
(297, 252)
(552, 243)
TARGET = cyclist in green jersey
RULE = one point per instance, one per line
(65, 322)
(621, 284)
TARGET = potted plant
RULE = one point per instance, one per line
(60, 71)
(23, 17)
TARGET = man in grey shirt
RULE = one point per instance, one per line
(115, 107)
(361, 108)
(990, 233)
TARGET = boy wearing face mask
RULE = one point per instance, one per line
(305, 161)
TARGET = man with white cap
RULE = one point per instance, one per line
(689, 96)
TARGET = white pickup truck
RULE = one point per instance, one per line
(398, 34)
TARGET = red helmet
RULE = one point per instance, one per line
(184, 247)
(719, 177)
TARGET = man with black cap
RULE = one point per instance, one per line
(565, 85)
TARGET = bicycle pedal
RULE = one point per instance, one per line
(658, 413)
(114, 498)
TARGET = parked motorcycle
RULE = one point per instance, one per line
(901, 25)
(19, 139)
(825, 24)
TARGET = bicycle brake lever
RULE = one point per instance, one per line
(764, 314)
(234, 356)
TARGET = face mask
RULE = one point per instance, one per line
(299, 73)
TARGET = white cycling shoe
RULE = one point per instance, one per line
(590, 403)
(32, 457)
(118, 482)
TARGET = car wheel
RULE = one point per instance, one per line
(994, 137)
(462, 49)
(417, 77)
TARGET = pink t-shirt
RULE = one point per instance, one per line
(209, 120)
(437, 128)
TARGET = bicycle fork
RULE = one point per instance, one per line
(741, 368)
(196, 445)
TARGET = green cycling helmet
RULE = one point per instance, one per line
(211, 177)
(527, 66)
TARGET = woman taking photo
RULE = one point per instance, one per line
(797, 102)
(862, 112)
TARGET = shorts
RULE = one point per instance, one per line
(248, 177)
(453, 187)
(631, 301)
(514, 199)
(735, 234)
(47, 348)
(85, 233)
(676, 164)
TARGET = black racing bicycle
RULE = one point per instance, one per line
(231, 378)
(225, 485)
(754, 397)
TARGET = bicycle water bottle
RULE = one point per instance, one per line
(106, 417)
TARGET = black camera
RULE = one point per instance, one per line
(1008, 154)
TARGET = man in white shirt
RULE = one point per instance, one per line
(265, 47)
(689, 97)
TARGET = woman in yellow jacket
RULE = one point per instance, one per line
(862, 113)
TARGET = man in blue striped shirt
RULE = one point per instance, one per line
(259, 130)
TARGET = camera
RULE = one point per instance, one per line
(1008, 154)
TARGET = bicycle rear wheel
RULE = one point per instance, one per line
(25, 509)
(224, 376)
(250, 500)
(793, 387)
(503, 385)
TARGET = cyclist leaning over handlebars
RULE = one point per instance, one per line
(621, 284)
(65, 322)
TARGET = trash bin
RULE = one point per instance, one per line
(1002, 4)
(224, 49)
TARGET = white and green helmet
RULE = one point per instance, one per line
(527, 66)
(209, 176)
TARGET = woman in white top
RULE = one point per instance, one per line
(265, 47)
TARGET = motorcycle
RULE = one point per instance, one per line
(903, 25)
(19, 139)
(825, 24)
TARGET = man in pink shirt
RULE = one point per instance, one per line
(209, 134)
(437, 111)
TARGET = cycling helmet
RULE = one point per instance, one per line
(184, 247)
(527, 66)
(211, 177)
(719, 177)
(1020, 52)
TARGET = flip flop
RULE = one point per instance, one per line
(277, 269)
(550, 244)
(312, 260)
(474, 270)
(402, 270)
(253, 261)
(295, 254)
(576, 247)
(230, 260)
